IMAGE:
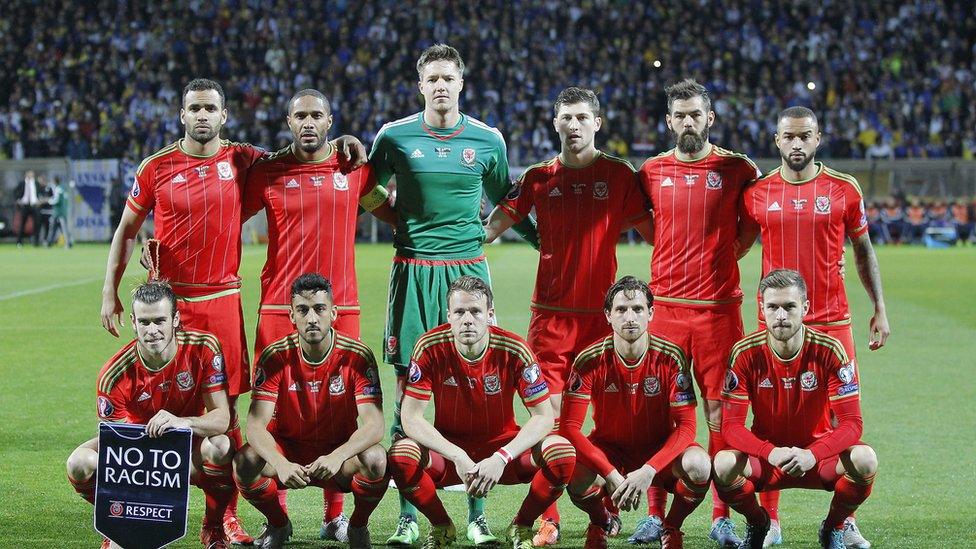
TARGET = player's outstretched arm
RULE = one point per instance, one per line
(369, 433)
(499, 221)
(123, 241)
(870, 274)
(416, 426)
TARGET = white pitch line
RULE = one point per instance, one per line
(42, 289)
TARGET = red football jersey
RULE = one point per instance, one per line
(695, 225)
(632, 403)
(311, 209)
(581, 213)
(316, 402)
(473, 398)
(803, 227)
(790, 399)
(196, 204)
(130, 392)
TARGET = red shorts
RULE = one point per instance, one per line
(224, 318)
(556, 338)
(706, 335)
(626, 460)
(519, 471)
(823, 476)
(276, 325)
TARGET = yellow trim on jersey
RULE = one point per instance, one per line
(669, 348)
(374, 198)
(208, 297)
(820, 170)
(732, 154)
(619, 160)
(190, 337)
(754, 340)
(704, 155)
(290, 341)
(593, 351)
(538, 165)
(107, 380)
(566, 165)
(165, 150)
(667, 299)
(429, 340)
(844, 177)
(828, 341)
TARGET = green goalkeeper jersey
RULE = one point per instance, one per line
(440, 175)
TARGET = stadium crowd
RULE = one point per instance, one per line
(897, 221)
(100, 80)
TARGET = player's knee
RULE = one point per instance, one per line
(374, 462)
(864, 459)
(247, 464)
(218, 450)
(82, 463)
(554, 440)
(697, 465)
(724, 466)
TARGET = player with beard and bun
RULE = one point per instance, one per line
(804, 212)
(312, 208)
(444, 161)
(310, 389)
(583, 199)
(694, 191)
(795, 378)
(643, 419)
(193, 188)
(167, 378)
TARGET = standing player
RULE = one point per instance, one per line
(643, 415)
(694, 190)
(794, 378)
(583, 199)
(804, 211)
(443, 160)
(472, 370)
(167, 378)
(310, 387)
(312, 209)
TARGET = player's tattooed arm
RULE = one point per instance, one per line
(123, 242)
(870, 274)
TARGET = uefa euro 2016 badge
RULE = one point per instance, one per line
(339, 182)
(218, 362)
(846, 372)
(135, 189)
(822, 205)
(531, 373)
(468, 156)
(731, 381)
(713, 180)
(683, 381)
(808, 381)
(336, 386)
(105, 408)
(224, 171)
(652, 386)
(600, 190)
(184, 380)
(492, 385)
(575, 381)
(259, 376)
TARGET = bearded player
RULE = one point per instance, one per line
(310, 388)
(694, 190)
(804, 212)
(794, 378)
(312, 209)
(583, 199)
(644, 419)
(443, 161)
(167, 378)
(472, 370)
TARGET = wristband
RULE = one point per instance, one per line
(503, 453)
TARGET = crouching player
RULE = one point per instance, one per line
(472, 370)
(644, 419)
(167, 378)
(310, 387)
(794, 377)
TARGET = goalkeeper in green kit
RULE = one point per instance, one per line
(442, 160)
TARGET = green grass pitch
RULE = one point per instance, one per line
(917, 396)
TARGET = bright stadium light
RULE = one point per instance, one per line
(657, 63)
(811, 86)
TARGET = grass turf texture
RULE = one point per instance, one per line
(917, 397)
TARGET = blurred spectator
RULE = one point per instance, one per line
(44, 209)
(962, 218)
(877, 230)
(28, 206)
(894, 220)
(916, 221)
(60, 205)
(101, 79)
